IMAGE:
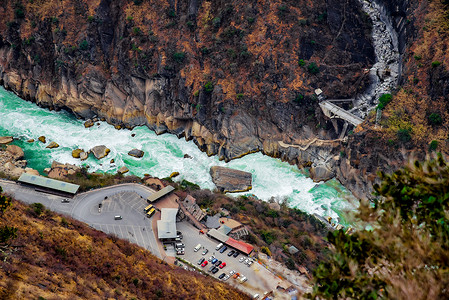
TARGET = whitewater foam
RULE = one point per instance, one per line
(272, 179)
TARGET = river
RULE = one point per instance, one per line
(164, 154)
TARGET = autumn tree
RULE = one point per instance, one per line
(403, 252)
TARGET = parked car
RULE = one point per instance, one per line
(204, 263)
(223, 249)
(242, 279)
(179, 234)
(211, 258)
(222, 265)
(65, 200)
(242, 259)
(226, 277)
(205, 252)
(218, 263)
(231, 252)
(214, 261)
(222, 275)
(215, 270)
(197, 247)
(236, 275)
(118, 217)
(232, 272)
(180, 252)
(201, 261)
(250, 263)
(236, 254)
(246, 261)
(211, 268)
(218, 246)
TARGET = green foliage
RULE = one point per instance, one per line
(129, 18)
(436, 63)
(404, 135)
(5, 202)
(137, 30)
(433, 145)
(240, 96)
(19, 11)
(216, 22)
(54, 20)
(313, 68)
(435, 119)
(265, 250)
(301, 62)
(37, 209)
(184, 184)
(209, 87)
(250, 20)
(171, 13)
(299, 98)
(179, 57)
(90, 19)
(290, 264)
(384, 99)
(84, 45)
(406, 250)
(138, 2)
(268, 236)
(417, 57)
(7, 233)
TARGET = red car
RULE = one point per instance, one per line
(204, 263)
(222, 265)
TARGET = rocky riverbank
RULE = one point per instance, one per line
(12, 162)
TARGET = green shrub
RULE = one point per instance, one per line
(313, 68)
(433, 145)
(54, 20)
(171, 13)
(436, 63)
(417, 57)
(404, 135)
(37, 208)
(265, 250)
(209, 87)
(90, 19)
(7, 233)
(137, 2)
(435, 119)
(216, 22)
(240, 96)
(301, 62)
(384, 99)
(19, 12)
(84, 45)
(196, 93)
(129, 18)
(137, 31)
(179, 56)
(299, 98)
(251, 20)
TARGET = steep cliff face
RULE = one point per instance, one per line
(416, 121)
(234, 76)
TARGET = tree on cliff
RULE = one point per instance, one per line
(405, 252)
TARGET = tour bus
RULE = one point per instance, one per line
(151, 212)
(219, 246)
(197, 248)
(146, 209)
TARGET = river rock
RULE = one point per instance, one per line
(321, 172)
(6, 140)
(174, 174)
(16, 151)
(30, 141)
(187, 156)
(112, 161)
(84, 155)
(88, 123)
(21, 163)
(230, 180)
(100, 151)
(31, 171)
(76, 153)
(123, 170)
(136, 153)
(42, 139)
(52, 145)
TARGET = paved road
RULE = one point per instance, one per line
(126, 200)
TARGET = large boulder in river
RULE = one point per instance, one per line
(52, 145)
(89, 123)
(100, 151)
(321, 172)
(42, 139)
(136, 153)
(123, 170)
(84, 155)
(230, 180)
(6, 140)
(16, 151)
(76, 153)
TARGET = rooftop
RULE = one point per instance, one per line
(166, 226)
(49, 183)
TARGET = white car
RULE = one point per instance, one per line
(231, 273)
(250, 263)
(211, 258)
(242, 259)
(242, 279)
(226, 277)
(246, 261)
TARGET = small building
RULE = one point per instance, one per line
(49, 185)
(218, 235)
(240, 246)
(166, 226)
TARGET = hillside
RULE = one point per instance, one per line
(55, 257)
(415, 121)
(235, 76)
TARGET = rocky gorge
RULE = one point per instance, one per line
(238, 79)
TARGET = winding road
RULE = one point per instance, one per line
(126, 200)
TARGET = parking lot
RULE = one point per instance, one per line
(259, 280)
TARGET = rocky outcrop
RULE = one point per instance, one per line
(123, 170)
(136, 153)
(230, 180)
(76, 153)
(100, 151)
(42, 139)
(15, 151)
(52, 145)
(6, 140)
(89, 123)
(61, 171)
(12, 163)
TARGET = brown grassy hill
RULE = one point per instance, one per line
(55, 257)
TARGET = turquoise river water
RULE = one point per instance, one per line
(164, 154)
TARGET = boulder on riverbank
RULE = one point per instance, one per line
(52, 145)
(84, 155)
(6, 140)
(42, 139)
(136, 153)
(89, 123)
(321, 172)
(59, 170)
(15, 151)
(230, 180)
(100, 151)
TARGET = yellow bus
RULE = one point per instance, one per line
(151, 212)
(146, 209)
